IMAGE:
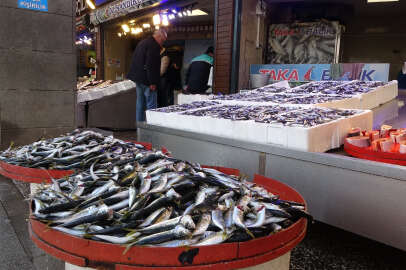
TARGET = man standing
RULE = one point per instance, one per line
(198, 73)
(145, 72)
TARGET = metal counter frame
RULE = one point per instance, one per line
(363, 197)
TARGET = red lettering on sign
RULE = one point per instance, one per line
(272, 75)
(294, 76)
(264, 71)
(282, 74)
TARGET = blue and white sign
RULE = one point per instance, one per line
(100, 2)
(40, 5)
(324, 72)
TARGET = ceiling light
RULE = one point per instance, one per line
(146, 25)
(378, 1)
(198, 12)
(189, 12)
(156, 19)
(132, 21)
(174, 11)
(184, 13)
(119, 34)
(90, 4)
(133, 31)
(180, 15)
(165, 21)
(125, 28)
(157, 27)
(171, 16)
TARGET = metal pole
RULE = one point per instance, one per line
(235, 57)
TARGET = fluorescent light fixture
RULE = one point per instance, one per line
(184, 13)
(126, 28)
(379, 1)
(174, 11)
(189, 12)
(180, 15)
(171, 16)
(198, 12)
(146, 25)
(119, 34)
(90, 4)
(156, 19)
(165, 21)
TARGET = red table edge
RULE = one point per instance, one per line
(360, 152)
(232, 264)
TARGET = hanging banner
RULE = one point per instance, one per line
(119, 8)
(304, 43)
(324, 72)
(39, 5)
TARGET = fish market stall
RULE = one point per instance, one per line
(107, 105)
(356, 195)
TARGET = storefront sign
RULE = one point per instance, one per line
(119, 8)
(324, 72)
(304, 43)
(100, 2)
(40, 5)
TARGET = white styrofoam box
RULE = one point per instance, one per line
(388, 92)
(156, 118)
(254, 131)
(277, 134)
(363, 120)
(347, 103)
(185, 99)
(320, 138)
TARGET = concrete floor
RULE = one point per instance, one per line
(324, 247)
(17, 252)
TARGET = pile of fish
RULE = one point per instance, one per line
(239, 112)
(157, 200)
(310, 93)
(353, 88)
(76, 150)
(310, 117)
(185, 107)
(316, 87)
(298, 99)
(289, 116)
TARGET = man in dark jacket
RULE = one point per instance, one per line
(145, 72)
(198, 72)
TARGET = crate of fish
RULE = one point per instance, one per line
(193, 215)
(166, 116)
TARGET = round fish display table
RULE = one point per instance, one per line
(270, 252)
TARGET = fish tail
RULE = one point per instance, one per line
(128, 247)
(249, 233)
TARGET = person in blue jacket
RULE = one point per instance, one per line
(198, 73)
